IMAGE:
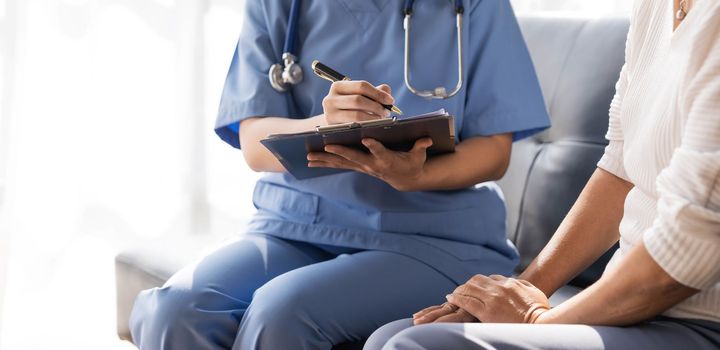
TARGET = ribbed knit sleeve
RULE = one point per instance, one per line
(685, 238)
(612, 159)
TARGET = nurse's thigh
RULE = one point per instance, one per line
(648, 335)
(202, 304)
(339, 300)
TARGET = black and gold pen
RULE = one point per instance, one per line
(332, 75)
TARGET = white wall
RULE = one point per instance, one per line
(111, 143)
(583, 7)
(7, 45)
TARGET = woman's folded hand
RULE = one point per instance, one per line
(500, 299)
(442, 313)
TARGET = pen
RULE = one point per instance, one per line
(331, 75)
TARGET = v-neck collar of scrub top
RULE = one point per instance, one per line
(365, 11)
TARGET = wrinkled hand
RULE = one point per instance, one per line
(401, 170)
(442, 313)
(352, 101)
(499, 299)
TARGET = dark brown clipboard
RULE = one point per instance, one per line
(396, 134)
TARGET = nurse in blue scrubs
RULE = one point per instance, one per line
(328, 260)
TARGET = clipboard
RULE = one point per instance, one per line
(398, 134)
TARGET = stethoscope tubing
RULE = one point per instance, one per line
(289, 55)
(439, 92)
(291, 34)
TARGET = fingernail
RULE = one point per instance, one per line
(387, 113)
(448, 296)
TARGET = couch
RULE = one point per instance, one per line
(578, 61)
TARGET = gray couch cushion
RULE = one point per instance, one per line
(577, 62)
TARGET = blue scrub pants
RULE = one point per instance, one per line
(263, 292)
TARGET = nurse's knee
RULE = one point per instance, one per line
(159, 313)
(278, 310)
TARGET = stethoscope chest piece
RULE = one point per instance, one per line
(275, 76)
(282, 76)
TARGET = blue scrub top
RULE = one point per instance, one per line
(459, 232)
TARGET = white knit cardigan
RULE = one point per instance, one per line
(664, 137)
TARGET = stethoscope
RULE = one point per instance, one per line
(289, 72)
(283, 75)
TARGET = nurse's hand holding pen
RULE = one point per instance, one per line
(350, 101)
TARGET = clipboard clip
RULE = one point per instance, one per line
(355, 125)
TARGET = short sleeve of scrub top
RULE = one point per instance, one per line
(247, 92)
(502, 86)
(460, 232)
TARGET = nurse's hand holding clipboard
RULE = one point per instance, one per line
(350, 101)
(401, 170)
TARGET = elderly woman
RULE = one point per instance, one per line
(656, 190)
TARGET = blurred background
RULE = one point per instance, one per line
(106, 140)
